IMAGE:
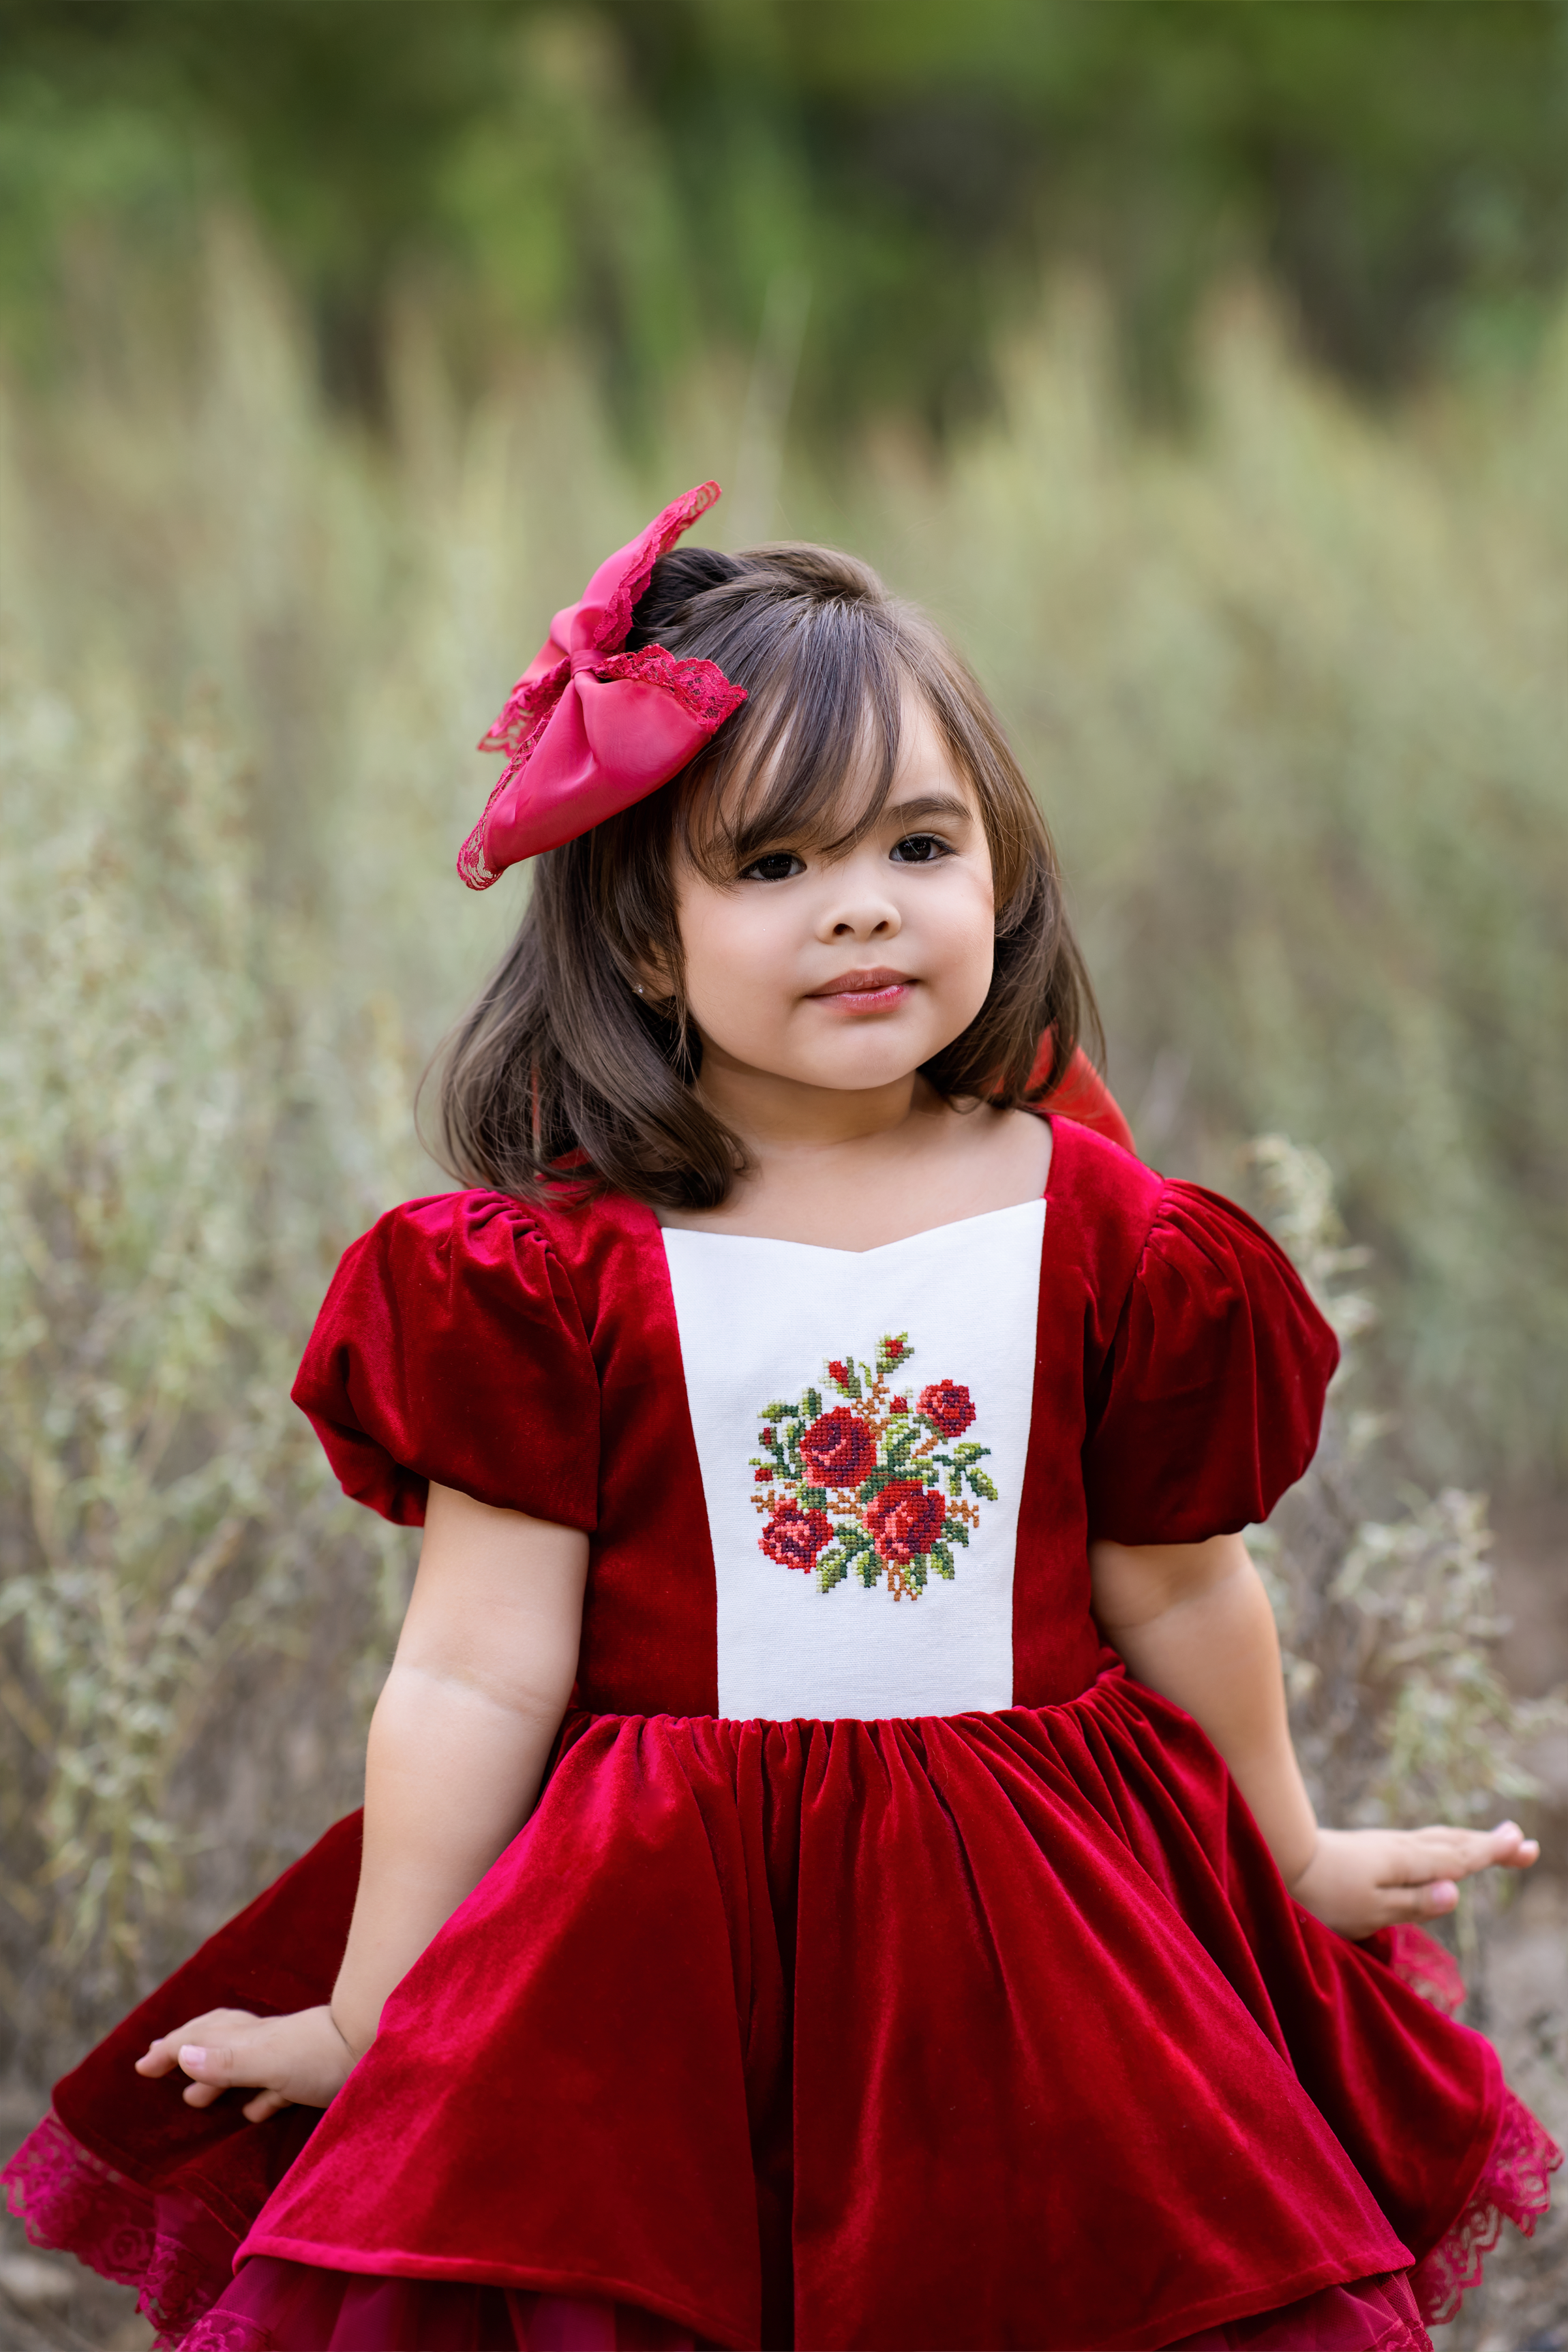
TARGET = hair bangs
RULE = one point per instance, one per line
(810, 758)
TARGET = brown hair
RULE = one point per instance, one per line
(560, 1069)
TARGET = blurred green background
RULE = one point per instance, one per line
(1203, 365)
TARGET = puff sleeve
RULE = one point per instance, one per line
(450, 1347)
(1214, 1389)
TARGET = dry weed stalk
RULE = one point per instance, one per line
(1389, 1626)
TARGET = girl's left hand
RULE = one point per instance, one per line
(298, 2061)
(1361, 1880)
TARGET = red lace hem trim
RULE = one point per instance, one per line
(1426, 1965)
(179, 2257)
(1513, 2187)
(168, 2247)
(220, 2331)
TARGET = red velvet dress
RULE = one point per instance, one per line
(984, 2019)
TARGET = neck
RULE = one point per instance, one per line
(777, 1118)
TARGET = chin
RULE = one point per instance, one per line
(866, 1077)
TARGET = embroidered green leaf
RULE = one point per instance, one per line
(955, 1531)
(813, 1498)
(831, 1569)
(979, 1484)
(942, 1560)
(811, 1405)
(899, 1448)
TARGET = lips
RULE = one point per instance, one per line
(883, 983)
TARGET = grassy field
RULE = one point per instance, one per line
(1291, 686)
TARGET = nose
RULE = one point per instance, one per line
(859, 906)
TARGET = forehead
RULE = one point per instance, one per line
(825, 791)
(926, 766)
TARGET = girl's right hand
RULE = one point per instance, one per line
(298, 2061)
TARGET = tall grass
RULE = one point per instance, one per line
(1389, 1625)
(1292, 693)
(1292, 690)
(174, 1170)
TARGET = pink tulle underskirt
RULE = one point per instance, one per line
(277, 2306)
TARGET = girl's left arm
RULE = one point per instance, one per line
(1192, 1622)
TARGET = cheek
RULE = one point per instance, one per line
(970, 923)
(731, 953)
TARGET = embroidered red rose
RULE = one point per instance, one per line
(905, 1520)
(838, 1449)
(865, 1491)
(947, 1407)
(794, 1537)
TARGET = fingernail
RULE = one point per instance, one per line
(1504, 1828)
(1444, 1892)
(191, 2054)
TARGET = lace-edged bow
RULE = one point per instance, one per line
(590, 729)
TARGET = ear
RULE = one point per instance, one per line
(652, 986)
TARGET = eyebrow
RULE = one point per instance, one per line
(928, 804)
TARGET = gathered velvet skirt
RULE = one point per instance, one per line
(986, 2030)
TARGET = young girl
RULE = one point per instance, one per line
(835, 1873)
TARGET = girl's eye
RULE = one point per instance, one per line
(919, 849)
(778, 865)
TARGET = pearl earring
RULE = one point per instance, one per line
(639, 988)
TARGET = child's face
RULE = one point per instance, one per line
(850, 973)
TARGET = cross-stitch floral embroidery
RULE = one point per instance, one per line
(860, 1486)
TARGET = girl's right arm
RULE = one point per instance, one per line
(458, 1744)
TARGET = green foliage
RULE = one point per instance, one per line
(649, 182)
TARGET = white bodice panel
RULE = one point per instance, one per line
(862, 1425)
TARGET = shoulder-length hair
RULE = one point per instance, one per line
(559, 1073)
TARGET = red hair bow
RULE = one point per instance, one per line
(589, 729)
